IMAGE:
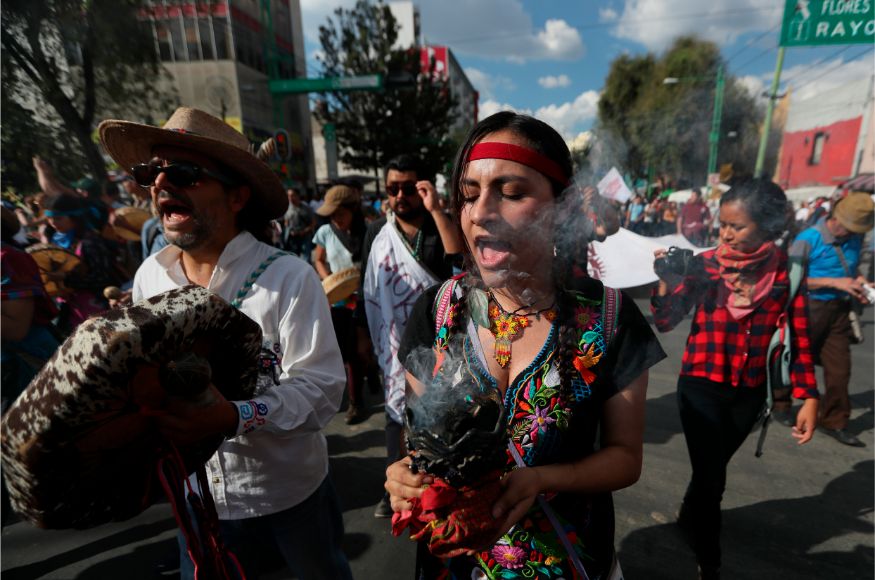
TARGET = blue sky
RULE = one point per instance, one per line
(550, 57)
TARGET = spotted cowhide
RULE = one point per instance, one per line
(80, 445)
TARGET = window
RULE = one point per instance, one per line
(206, 38)
(191, 39)
(177, 38)
(165, 51)
(817, 148)
(223, 41)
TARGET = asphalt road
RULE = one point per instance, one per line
(797, 512)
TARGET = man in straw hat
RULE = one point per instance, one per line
(270, 477)
(831, 251)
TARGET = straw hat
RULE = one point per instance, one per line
(128, 222)
(335, 197)
(856, 212)
(341, 285)
(132, 143)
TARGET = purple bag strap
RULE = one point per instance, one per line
(613, 301)
(554, 521)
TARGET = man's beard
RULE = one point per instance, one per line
(191, 240)
(412, 212)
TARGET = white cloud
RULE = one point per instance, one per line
(806, 81)
(608, 15)
(581, 141)
(755, 85)
(567, 118)
(656, 23)
(489, 107)
(487, 84)
(315, 13)
(499, 29)
(552, 82)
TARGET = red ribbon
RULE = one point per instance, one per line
(521, 155)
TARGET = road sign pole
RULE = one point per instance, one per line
(767, 124)
(714, 137)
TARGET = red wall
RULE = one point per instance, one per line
(836, 161)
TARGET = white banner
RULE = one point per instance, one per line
(625, 259)
(613, 187)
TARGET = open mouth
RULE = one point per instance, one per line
(493, 253)
(174, 211)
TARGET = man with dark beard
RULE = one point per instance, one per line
(269, 478)
(404, 253)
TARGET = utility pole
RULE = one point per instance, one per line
(714, 136)
(767, 123)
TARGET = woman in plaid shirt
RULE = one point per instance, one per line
(739, 291)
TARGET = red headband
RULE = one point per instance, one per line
(521, 155)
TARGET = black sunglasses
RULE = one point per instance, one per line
(394, 189)
(180, 174)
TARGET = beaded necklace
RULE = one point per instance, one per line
(508, 326)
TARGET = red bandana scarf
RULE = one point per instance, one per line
(747, 277)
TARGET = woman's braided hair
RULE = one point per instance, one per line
(545, 140)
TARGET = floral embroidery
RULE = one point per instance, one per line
(584, 316)
(509, 556)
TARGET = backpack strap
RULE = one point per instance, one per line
(611, 305)
(442, 301)
(780, 340)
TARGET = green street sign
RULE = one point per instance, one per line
(360, 83)
(822, 22)
(329, 132)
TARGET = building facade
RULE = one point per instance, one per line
(828, 138)
(221, 56)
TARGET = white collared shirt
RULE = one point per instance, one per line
(279, 456)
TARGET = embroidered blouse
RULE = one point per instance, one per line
(546, 429)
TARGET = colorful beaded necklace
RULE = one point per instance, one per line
(508, 326)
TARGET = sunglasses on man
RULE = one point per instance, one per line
(406, 189)
(179, 174)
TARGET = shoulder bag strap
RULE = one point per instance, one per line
(554, 521)
(611, 304)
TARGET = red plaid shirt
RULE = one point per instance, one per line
(726, 350)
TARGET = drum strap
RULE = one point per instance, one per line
(250, 280)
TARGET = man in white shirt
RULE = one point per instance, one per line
(269, 479)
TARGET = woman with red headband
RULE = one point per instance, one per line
(522, 326)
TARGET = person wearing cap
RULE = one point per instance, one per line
(298, 226)
(831, 251)
(269, 479)
(338, 247)
(405, 252)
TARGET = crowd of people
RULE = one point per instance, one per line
(478, 298)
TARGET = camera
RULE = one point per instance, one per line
(679, 262)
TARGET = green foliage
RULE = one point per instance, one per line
(373, 127)
(643, 122)
(66, 65)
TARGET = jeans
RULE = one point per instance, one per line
(716, 419)
(307, 535)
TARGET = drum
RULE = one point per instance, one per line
(127, 222)
(341, 285)
(51, 258)
(80, 446)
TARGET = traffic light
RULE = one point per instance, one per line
(283, 149)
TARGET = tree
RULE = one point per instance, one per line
(665, 127)
(412, 115)
(67, 64)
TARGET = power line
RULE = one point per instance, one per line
(757, 57)
(833, 68)
(753, 41)
(818, 62)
